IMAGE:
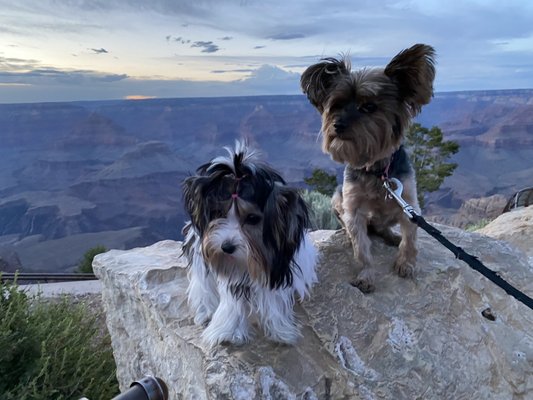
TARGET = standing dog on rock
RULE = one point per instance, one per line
(365, 114)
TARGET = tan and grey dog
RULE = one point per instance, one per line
(364, 116)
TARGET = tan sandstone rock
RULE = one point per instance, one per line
(515, 227)
(421, 338)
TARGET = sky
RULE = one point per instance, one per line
(70, 50)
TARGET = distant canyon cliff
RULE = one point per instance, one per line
(77, 175)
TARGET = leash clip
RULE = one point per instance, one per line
(396, 194)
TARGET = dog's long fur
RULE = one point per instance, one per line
(247, 248)
(364, 117)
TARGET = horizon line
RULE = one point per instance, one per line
(148, 98)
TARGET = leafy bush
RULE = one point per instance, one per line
(322, 216)
(477, 225)
(86, 265)
(52, 350)
(322, 182)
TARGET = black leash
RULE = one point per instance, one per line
(459, 253)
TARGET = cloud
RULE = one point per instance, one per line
(17, 64)
(267, 73)
(207, 47)
(178, 39)
(286, 36)
(53, 76)
(86, 85)
(19, 71)
(490, 46)
(226, 71)
(110, 77)
(14, 84)
(101, 50)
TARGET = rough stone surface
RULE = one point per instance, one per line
(420, 338)
(473, 211)
(515, 227)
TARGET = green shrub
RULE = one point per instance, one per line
(322, 216)
(86, 264)
(474, 226)
(322, 182)
(52, 349)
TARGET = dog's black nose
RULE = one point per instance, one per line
(339, 126)
(228, 247)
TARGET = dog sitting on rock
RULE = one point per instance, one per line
(248, 249)
(365, 114)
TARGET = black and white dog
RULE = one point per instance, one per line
(247, 247)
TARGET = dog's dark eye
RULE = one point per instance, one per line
(252, 219)
(368, 108)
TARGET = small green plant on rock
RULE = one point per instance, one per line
(477, 225)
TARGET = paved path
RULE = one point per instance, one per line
(59, 288)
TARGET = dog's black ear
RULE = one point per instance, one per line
(413, 71)
(194, 192)
(286, 220)
(317, 80)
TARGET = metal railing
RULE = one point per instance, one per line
(522, 198)
(45, 277)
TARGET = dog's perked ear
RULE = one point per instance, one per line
(317, 80)
(286, 219)
(413, 72)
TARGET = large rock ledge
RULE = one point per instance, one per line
(515, 227)
(423, 338)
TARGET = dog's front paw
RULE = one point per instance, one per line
(365, 281)
(226, 331)
(203, 316)
(363, 285)
(404, 269)
(214, 337)
(239, 338)
(288, 334)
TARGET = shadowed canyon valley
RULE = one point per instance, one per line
(77, 175)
